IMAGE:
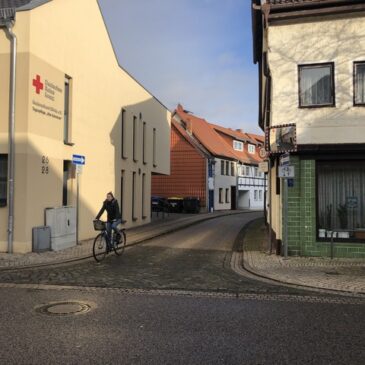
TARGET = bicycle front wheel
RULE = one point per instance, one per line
(120, 245)
(99, 247)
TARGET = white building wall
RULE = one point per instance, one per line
(223, 182)
(251, 186)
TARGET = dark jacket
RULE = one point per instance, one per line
(112, 209)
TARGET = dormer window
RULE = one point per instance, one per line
(238, 146)
(251, 148)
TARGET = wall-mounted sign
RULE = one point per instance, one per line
(78, 159)
(286, 172)
(264, 166)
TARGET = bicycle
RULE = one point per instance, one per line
(103, 244)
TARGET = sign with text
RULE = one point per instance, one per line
(287, 172)
(264, 166)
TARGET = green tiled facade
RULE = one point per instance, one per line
(302, 239)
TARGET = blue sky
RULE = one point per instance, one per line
(194, 52)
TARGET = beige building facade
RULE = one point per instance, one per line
(312, 76)
(72, 97)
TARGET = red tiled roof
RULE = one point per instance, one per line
(209, 136)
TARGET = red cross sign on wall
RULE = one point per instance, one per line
(37, 83)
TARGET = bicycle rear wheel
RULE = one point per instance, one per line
(99, 247)
(120, 245)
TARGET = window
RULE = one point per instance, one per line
(255, 195)
(251, 148)
(227, 195)
(227, 167)
(122, 180)
(134, 196)
(247, 171)
(222, 167)
(359, 83)
(260, 195)
(220, 195)
(67, 119)
(144, 143)
(3, 180)
(237, 145)
(68, 169)
(341, 196)
(316, 85)
(154, 148)
(122, 136)
(232, 169)
(135, 126)
(144, 214)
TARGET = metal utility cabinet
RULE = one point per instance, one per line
(63, 227)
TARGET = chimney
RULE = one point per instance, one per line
(239, 130)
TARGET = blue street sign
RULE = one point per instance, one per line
(78, 160)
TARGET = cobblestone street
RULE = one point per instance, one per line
(196, 258)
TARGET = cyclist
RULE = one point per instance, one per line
(114, 218)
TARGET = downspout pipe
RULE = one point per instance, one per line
(7, 21)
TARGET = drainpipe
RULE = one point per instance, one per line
(7, 20)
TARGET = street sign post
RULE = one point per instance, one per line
(287, 173)
(79, 162)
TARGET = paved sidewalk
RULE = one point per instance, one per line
(136, 235)
(346, 275)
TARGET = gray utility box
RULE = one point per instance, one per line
(63, 227)
(41, 239)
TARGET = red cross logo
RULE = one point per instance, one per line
(37, 83)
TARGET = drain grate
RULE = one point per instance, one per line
(64, 308)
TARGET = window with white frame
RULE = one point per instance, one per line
(255, 195)
(251, 148)
(238, 145)
(247, 170)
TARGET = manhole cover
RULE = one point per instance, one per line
(64, 308)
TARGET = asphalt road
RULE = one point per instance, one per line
(174, 300)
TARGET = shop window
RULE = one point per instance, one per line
(341, 197)
(359, 83)
(316, 85)
(3, 180)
